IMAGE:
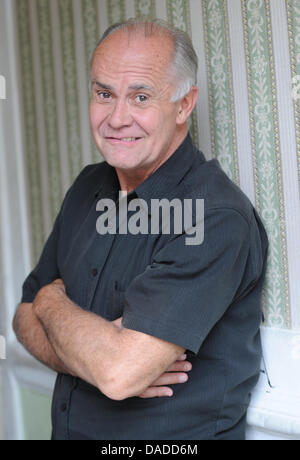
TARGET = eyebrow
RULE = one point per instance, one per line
(136, 86)
(141, 86)
(102, 85)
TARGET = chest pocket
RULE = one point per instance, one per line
(117, 306)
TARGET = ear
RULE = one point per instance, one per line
(186, 105)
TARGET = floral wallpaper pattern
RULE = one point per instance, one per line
(56, 40)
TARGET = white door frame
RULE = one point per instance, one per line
(15, 262)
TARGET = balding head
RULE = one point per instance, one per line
(183, 61)
(135, 122)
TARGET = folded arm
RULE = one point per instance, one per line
(31, 334)
(120, 362)
(69, 340)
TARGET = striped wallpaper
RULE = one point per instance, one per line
(247, 115)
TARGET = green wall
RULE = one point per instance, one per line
(36, 409)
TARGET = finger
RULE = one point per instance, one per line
(170, 378)
(180, 366)
(118, 322)
(59, 284)
(156, 392)
(58, 281)
(182, 357)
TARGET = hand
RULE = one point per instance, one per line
(47, 295)
(175, 374)
(118, 322)
(59, 284)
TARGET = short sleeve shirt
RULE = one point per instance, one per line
(203, 297)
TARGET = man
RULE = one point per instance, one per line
(114, 313)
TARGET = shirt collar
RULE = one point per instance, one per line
(110, 185)
(163, 181)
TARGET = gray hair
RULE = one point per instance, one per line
(184, 65)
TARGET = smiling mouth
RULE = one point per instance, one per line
(124, 139)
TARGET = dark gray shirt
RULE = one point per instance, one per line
(205, 298)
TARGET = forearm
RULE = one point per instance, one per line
(98, 351)
(31, 335)
(74, 335)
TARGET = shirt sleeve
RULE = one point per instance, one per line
(46, 269)
(187, 289)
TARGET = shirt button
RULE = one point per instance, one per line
(63, 407)
(94, 272)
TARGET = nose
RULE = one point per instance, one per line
(120, 115)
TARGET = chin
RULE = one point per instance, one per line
(120, 163)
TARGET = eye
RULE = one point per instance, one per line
(102, 96)
(141, 98)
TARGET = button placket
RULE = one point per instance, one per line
(94, 272)
(63, 407)
(94, 277)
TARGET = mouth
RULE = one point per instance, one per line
(123, 140)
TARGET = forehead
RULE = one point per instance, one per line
(135, 55)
